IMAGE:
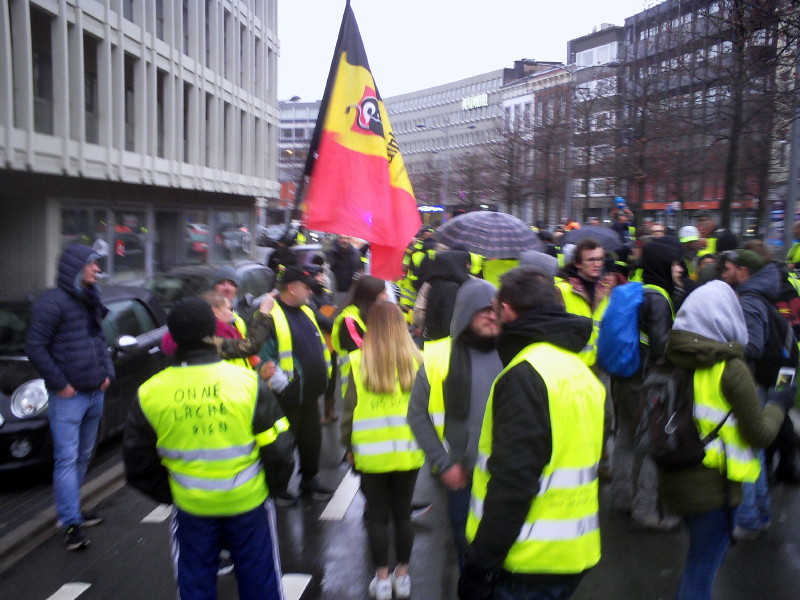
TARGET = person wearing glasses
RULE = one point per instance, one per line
(583, 291)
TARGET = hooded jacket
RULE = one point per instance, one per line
(65, 336)
(447, 272)
(755, 294)
(709, 329)
(523, 442)
(462, 434)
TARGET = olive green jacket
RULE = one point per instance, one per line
(699, 489)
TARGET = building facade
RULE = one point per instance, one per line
(298, 120)
(146, 129)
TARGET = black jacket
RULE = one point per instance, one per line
(345, 263)
(449, 270)
(522, 441)
(65, 336)
(143, 468)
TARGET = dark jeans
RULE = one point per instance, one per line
(709, 539)
(389, 493)
(252, 541)
(304, 424)
(515, 590)
(457, 510)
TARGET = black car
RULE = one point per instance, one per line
(133, 330)
(255, 280)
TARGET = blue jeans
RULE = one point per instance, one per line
(709, 539)
(74, 423)
(252, 541)
(515, 590)
(458, 510)
(753, 512)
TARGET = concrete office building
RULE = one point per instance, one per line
(443, 132)
(298, 120)
(148, 129)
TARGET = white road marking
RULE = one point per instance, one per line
(159, 514)
(294, 584)
(338, 505)
(70, 591)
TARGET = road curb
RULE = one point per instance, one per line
(20, 541)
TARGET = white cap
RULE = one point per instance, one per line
(688, 233)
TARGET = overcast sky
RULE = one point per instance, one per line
(416, 44)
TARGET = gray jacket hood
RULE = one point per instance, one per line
(473, 295)
(713, 311)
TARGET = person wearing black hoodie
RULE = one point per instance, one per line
(634, 483)
(447, 272)
(533, 525)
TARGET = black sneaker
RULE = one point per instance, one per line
(285, 498)
(74, 538)
(315, 491)
(90, 519)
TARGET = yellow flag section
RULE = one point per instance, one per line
(358, 182)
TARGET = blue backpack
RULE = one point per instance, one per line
(618, 341)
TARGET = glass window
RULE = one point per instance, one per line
(90, 98)
(42, 67)
(130, 104)
(128, 245)
(231, 236)
(198, 236)
(126, 317)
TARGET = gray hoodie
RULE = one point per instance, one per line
(713, 311)
(461, 436)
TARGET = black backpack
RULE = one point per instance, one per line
(665, 428)
(780, 347)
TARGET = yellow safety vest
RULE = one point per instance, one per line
(711, 247)
(284, 335)
(729, 453)
(793, 256)
(241, 327)
(576, 304)
(475, 264)
(493, 268)
(437, 364)
(344, 356)
(382, 441)
(203, 417)
(643, 337)
(561, 533)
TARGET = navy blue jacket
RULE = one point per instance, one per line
(65, 338)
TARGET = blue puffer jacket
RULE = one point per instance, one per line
(65, 338)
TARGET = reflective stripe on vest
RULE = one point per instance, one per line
(203, 419)
(561, 532)
(729, 453)
(382, 441)
(576, 304)
(284, 335)
(437, 363)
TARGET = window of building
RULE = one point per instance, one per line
(127, 9)
(227, 33)
(208, 33)
(91, 104)
(130, 103)
(160, 19)
(42, 68)
(161, 79)
(185, 23)
(210, 134)
(188, 134)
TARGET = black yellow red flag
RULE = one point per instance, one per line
(358, 184)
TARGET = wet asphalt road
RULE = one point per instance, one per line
(129, 559)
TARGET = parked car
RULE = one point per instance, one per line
(133, 330)
(255, 281)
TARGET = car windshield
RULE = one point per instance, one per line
(168, 289)
(13, 326)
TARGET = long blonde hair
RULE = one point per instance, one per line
(388, 355)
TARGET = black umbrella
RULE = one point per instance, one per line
(490, 234)
(609, 239)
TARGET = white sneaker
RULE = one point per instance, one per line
(380, 589)
(401, 585)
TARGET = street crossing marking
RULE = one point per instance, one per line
(70, 591)
(159, 514)
(338, 505)
(294, 584)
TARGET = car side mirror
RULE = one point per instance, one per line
(126, 343)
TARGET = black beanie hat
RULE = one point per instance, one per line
(191, 320)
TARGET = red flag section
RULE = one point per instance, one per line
(358, 182)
